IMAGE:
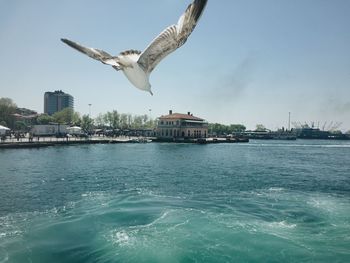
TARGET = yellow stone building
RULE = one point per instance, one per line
(181, 126)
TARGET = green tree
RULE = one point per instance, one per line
(150, 124)
(137, 122)
(113, 119)
(7, 109)
(237, 128)
(130, 120)
(44, 119)
(123, 121)
(144, 119)
(76, 119)
(108, 119)
(87, 123)
(260, 127)
(100, 120)
(64, 116)
(217, 128)
(221, 129)
(21, 126)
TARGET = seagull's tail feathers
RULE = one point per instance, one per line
(94, 53)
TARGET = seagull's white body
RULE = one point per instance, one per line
(136, 65)
(134, 73)
(137, 76)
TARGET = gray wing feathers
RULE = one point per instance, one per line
(172, 37)
(160, 47)
(94, 53)
(189, 19)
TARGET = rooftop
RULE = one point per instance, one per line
(172, 116)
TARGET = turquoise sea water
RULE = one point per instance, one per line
(265, 201)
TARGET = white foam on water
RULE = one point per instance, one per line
(164, 229)
(150, 193)
(240, 225)
(164, 215)
(133, 234)
(178, 225)
(95, 199)
(121, 238)
(12, 225)
(258, 226)
(327, 204)
(281, 225)
(11, 234)
(276, 189)
(97, 194)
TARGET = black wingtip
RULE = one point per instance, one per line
(199, 7)
(66, 41)
(72, 44)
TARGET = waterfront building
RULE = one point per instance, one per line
(181, 126)
(25, 116)
(57, 101)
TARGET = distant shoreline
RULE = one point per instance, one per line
(46, 142)
(40, 144)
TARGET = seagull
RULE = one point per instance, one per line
(136, 65)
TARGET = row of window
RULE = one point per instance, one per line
(170, 123)
(177, 133)
(177, 123)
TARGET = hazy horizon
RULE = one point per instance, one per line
(248, 62)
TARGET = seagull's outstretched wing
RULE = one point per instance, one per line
(94, 53)
(172, 37)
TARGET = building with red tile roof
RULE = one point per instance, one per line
(181, 126)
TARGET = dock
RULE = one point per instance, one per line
(53, 141)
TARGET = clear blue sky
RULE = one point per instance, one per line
(248, 61)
